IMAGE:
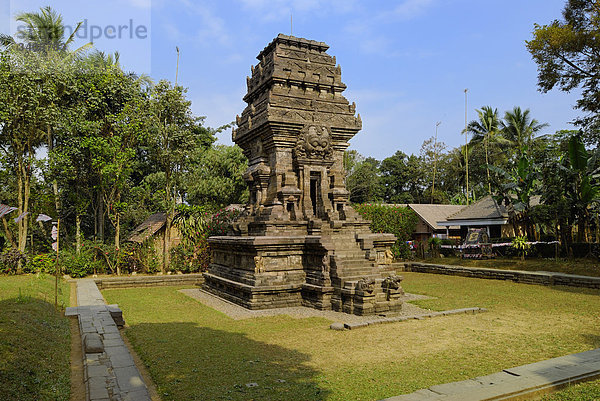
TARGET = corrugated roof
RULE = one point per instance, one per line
(431, 214)
(148, 228)
(485, 208)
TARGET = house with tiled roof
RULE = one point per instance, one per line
(429, 216)
(485, 213)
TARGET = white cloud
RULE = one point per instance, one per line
(212, 28)
(363, 29)
(411, 8)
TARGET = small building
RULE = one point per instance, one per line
(485, 213)
(153, 229)
(429, 216)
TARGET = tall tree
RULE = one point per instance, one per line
(44, 32)
(43, 39)
(171, 139)
(583, 186)
(567, 53)
(27, 107)
(403, 178)
(432, 155)
(485, 130)
(363, 179)
(519, 128)
(215, 176)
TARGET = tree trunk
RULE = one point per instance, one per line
(19, 199)
(118, 234)
(24, 221)
(100, 216)
(78, 233)
(167, 242)
(95, 208)
(117, 242)
(558, 238)
(8, 234)
(50, 141)
(168, 223)
(581, 230)
(487, 164)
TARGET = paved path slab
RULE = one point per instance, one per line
(515, 383)
(518, 276)
(109, 370)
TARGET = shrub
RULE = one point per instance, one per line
(434, 246)
(9, 261)
(42, 263)
(221, 221)
(397, 220)
(111, 259)
(520, 244)
(196, 225)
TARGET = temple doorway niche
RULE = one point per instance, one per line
(315, 192)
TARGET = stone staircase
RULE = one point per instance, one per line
(359, 282)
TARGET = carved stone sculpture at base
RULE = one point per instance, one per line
(299, 241)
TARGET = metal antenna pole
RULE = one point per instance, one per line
(291, 24)
(177, 69)
(434, 159)
(466, 147)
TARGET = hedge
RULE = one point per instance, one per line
(398, 220)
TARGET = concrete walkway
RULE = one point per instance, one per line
(110, 372)
(521, 382)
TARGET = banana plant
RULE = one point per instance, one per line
(582, 189)
(516, 189)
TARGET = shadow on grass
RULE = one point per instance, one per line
(34, 351)
(191, 362)
(593, 340)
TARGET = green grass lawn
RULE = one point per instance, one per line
(35, 341)
(586, 267)
(196, 353)
(581, 392)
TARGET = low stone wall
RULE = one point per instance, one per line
(358, 325)
(518, 276)
(192, 279)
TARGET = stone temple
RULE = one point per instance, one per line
(299, 241)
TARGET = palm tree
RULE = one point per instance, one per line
(486, 130)
(519, 128)
(44, 32)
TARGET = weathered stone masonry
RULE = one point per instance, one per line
(299, 241)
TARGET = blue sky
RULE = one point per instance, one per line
(406, 62)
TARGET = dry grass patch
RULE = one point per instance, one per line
(193, 351)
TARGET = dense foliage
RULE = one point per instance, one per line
(398, 220)
(196, 225)
(99, 148)
(567, 56)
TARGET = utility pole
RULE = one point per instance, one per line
(177, 69)
(57, 265)
(466, 147)
(434, 159)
